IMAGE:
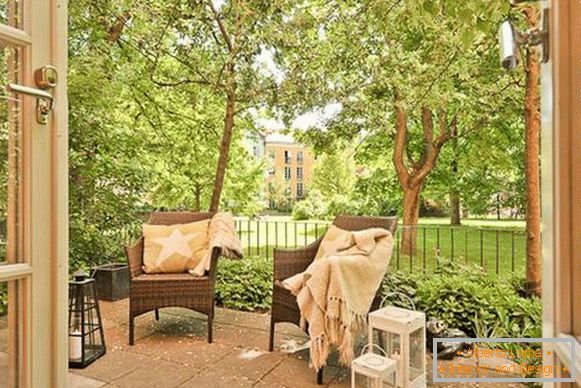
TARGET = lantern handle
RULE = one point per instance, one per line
(374, 346)
(400, 294)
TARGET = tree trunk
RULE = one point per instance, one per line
(455, 216)
(454, 195)
(411, 213)
(197, 197)
(224, 151)
(532, 131)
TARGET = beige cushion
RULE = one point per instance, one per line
(174, 248)
(334, 240)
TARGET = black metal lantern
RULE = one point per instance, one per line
(86, 339)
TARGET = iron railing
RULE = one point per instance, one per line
(496, 250)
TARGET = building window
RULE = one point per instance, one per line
(271, 171)
(300, 193)
(299, 173)
(287, 157)
(271, 154)
(300, 157)
(287, 173)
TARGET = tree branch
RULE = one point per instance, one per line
(221, 26)
(400, 141)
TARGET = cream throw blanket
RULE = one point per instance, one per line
(335, 292)
(221, 234)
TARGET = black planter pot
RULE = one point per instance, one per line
(112, 281)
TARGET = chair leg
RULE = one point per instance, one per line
(271, 338)
(320, 376)
(210, 319)
(131, 330)
(157, 314)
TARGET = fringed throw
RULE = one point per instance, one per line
(221, 234)
(335, 292)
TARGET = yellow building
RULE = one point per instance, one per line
(289, 170)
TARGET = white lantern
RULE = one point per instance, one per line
(402, 334)
(375, 368)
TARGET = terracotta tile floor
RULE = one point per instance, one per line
(173, 352)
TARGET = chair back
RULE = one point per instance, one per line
(354, 223)
(172, 218)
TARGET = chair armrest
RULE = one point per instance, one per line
(289, 262)
(135, 258)
(214, 263)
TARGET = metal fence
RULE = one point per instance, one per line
(497, 250)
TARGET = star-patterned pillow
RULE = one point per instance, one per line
(334, 240)
(174, 248)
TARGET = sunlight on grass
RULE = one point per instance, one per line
(497, 246)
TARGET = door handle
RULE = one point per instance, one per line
(44, 100)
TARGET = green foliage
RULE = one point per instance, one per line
(464, 297)
(311, 208)
(377, 192)
(439, 55)
(245, 284)
(303, 210)
(143, 133)
(341, 204)
(334, 174)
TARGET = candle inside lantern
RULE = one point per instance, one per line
(75, 345)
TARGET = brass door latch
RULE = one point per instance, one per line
(45, 78)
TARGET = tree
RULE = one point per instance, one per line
(532, 175)
(432, 61)
(143, 135)
(211, 45)
(334, 174)
(412, 178)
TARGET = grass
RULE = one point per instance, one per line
(498, 246)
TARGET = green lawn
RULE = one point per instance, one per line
(498, 246)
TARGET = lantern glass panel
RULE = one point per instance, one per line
(366, 381)
(417, 363)
(390, 343)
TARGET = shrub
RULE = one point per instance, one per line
(313, 207)
(466, 298)
(340, 204)
(302, 210)
(245, 284)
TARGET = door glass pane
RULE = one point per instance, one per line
(9, 335)
(10, 155)
(10, 13)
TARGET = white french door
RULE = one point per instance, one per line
(33, 193)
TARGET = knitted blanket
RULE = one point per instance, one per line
(221, 234)
(335, 292)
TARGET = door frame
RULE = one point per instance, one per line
(49, 235)
(41, 308)
(561, 182)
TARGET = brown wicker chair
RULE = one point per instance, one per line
(290, 262)
(150, 292)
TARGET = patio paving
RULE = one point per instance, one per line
(173, 352)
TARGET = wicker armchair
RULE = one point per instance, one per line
(150, 292)
(290, 262)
